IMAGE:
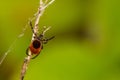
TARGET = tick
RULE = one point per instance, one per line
(37, 43)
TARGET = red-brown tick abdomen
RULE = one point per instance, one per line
(35, 47)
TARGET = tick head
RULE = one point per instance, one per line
(36, 44)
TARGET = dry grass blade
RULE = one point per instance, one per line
(41, 9)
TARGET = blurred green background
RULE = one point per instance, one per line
(85, 47)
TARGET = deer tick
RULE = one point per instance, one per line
(37, 43)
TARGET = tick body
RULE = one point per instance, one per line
(35, 47)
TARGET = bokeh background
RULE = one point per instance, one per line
(85, 47)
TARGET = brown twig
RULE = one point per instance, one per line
(41, 9)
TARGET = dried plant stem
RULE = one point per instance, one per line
(41, 9)
(24, 67)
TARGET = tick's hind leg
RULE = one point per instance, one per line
(35, 56)
(27, 51)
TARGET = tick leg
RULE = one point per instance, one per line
(27, 51)
(42, 47)
(46, 40)
(50, 38)
(35, 56)
(32, 28)
(44, 31)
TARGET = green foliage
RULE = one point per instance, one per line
(86, 46)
